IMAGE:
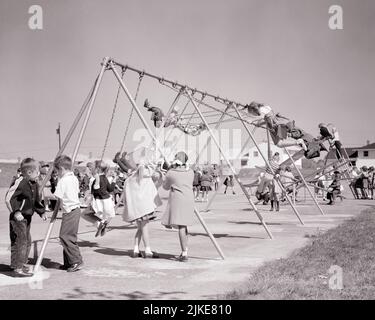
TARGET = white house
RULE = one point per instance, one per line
(366, 156)
(254, 159)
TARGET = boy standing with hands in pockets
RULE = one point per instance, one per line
(67, 191)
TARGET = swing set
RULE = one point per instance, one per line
(227, 110)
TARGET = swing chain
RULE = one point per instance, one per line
(141, 75)
(123, 70)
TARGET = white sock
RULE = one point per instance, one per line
(136, 248)
(148, 250)
(184, 253)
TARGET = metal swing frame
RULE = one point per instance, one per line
(110, 64)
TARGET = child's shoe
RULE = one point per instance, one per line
(64, 267)
(100, 228)
(75, 267)
(302, 144)
(137, 254)
(104, 229)
(153, 255)
(21, 273)
(182, 258)
(117, 157)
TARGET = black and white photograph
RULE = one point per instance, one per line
(207, 151)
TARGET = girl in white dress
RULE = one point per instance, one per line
(141, 199)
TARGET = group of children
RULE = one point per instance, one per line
(363, 183)
(140, 198)
(204, 180)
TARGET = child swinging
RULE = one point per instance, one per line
(284, 132)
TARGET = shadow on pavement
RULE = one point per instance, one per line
(79, 293)
(222, 235)
(129, 253)
(257, 223)
(5, 270)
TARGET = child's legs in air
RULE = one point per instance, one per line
(289, 143)
(88, 214)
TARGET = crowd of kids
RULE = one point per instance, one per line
(363, 182)
(94, 194)
(97, 191)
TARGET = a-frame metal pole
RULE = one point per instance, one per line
(260, 217)
(221, 182)
(161, 152)
(67, 139)
(269, 166)
(304, 181)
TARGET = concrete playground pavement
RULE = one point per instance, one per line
(111, 273)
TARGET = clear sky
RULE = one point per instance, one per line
(276, 51)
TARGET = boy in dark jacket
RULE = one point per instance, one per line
(22, 200)
(335, 188)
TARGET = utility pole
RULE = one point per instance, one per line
(58, 132)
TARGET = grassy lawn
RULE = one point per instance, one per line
(304, 275)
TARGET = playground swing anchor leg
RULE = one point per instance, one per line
(260, 217)
(269, 166)
(222, 182)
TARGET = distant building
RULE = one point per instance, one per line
(366, 155)
(254, 159)
(359, 156)
(351, 153)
